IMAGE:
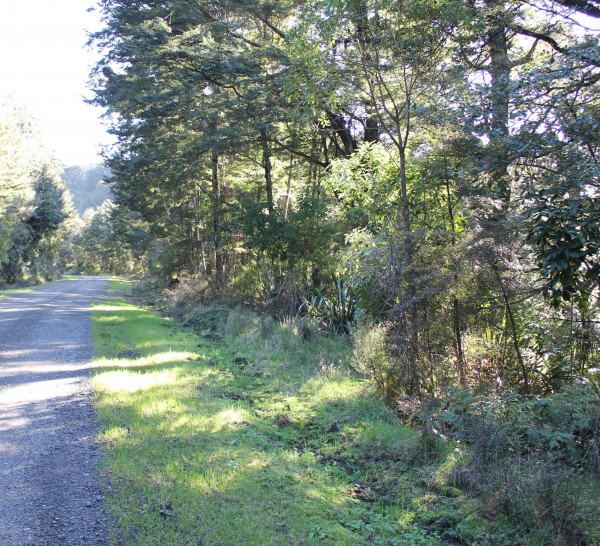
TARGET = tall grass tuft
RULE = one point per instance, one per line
(290, 342)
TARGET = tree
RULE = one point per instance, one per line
(203, 124)
(33, 201)
(440, 154)
(385, 60)
(15, 184)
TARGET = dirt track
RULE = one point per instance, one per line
(49, 493)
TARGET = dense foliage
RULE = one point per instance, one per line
(35, 208)
(436, 159)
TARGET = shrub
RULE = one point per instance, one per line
(489, 362)
(333, 314)
(187, 294)
(524, 456)
(540, 497)
(203, 320)
(372, 358)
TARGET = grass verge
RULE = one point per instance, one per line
(241, 430)
(13, 291)
(5, 293)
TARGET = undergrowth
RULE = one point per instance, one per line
(235, 428)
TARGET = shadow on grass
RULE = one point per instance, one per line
(205, 446)
(217, 455)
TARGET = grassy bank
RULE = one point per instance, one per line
(236, 429)
(6, 293)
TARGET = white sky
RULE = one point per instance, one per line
(44, 66)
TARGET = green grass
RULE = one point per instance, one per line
(13, 291)
(201, 448)
(234, 430)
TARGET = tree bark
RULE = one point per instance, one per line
(499, 70)
(267, 166)
(457, 343)
(513, 327)
(339, 128)
(216, 197)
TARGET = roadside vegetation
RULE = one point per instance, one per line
(380, 221)
(53, 220)
(230, 427)
(12, 291)
(7, 292)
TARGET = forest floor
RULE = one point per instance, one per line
(245, 433)
(48, 451)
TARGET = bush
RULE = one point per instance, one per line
(207, 320)
(563, 426)
(489, 361)
(540, 497)
(523, 456)
(333, 314)
(187, 294)
(372, 358)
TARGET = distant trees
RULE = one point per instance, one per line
(86, 185)
(41, 233)
(16, 190)
(110, 240)
(34, 204)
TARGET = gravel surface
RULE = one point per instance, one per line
(49, 490)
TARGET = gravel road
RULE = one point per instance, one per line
(49, 491)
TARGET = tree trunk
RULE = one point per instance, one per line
(513, 326)
(288, 190)
(499, 70)
(372, 129)
(405, 212)
(339, 128)
(266, 162)
(456, 333)
(216, 197)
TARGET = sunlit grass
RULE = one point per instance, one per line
(131, 382)
(199, 449)
(261, 438)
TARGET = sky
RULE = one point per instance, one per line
(44, 67)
